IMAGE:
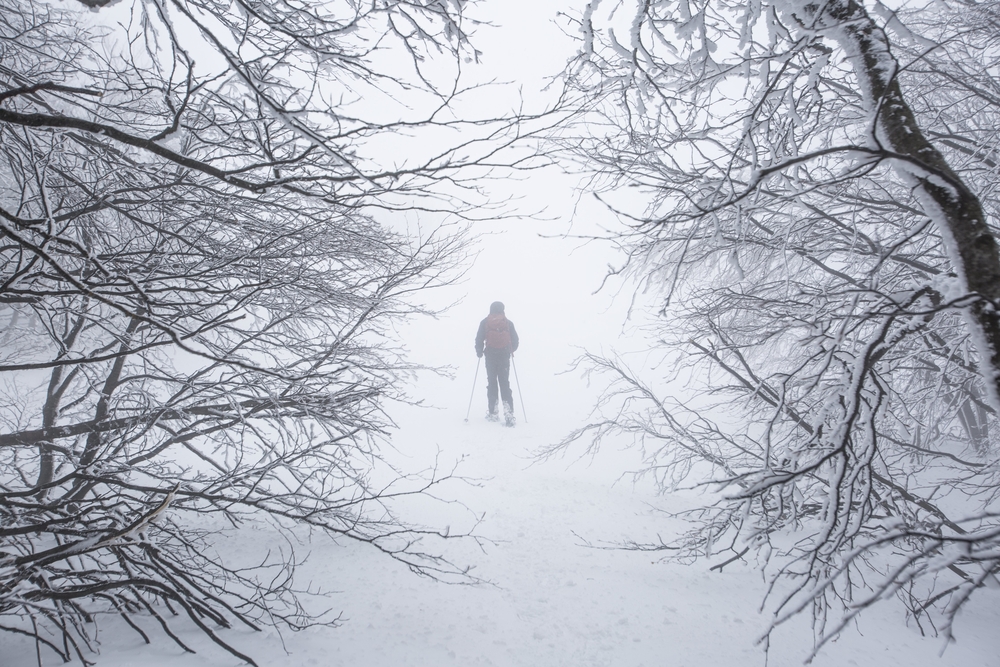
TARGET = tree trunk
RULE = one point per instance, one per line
(110, 384)
(50, 411)
(955, 209)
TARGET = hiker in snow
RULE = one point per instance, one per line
(497, 339)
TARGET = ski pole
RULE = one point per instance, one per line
(518, 382)
(473, 395)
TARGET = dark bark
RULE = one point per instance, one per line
(110, 384)
(956, 208)
(58, 384)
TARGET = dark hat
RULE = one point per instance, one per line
(496, 307)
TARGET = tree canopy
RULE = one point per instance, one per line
(810, 191)
(201, 265)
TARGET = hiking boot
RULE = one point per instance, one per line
(492, 417)
(508, 415)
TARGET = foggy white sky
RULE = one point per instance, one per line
(546, 280)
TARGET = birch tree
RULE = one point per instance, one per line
(202, 261)
(810, 188)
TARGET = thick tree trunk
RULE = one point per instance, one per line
(954, 208)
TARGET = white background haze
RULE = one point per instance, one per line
(553, 592)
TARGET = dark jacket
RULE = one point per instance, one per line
(481, 337)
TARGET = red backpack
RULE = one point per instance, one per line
(497, 332)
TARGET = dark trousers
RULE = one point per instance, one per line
(498, 373)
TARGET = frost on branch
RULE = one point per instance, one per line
(200, 277)
(811, 203)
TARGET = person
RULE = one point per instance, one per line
(497, 341)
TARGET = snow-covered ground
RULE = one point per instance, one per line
(553, 596)
(551, 600)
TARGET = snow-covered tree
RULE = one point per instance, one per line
(200, 270)
(811, 188)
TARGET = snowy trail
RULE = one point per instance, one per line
(557, 602)
(552, 601)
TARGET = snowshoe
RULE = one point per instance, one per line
(492, 417)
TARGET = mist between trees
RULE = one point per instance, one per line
(203, 257)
